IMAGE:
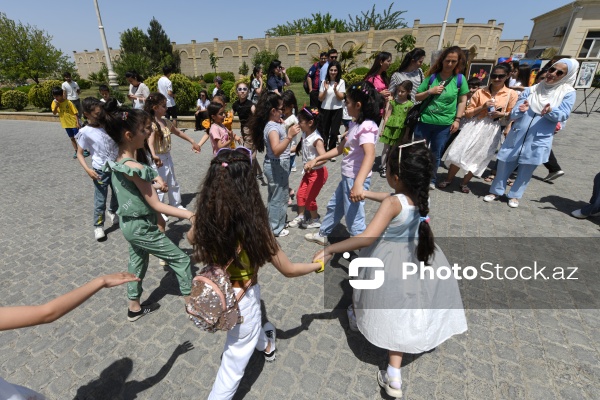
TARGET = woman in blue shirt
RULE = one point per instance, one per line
(276, 77)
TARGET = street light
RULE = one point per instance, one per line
(112, 77)
(444, 25)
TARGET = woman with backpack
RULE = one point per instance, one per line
(444, 97)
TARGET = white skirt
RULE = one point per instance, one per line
(475, 146)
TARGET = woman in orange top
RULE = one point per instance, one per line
(479, 138)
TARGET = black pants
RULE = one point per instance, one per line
(331, 121)
(201, 116)
(552, 163)
(314, 99)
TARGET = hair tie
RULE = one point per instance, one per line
(224, 164)
(124, 116)
(424, 219)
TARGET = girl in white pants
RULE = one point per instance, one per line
(231, 228)
(160, 146)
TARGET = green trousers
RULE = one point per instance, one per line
(144, 239)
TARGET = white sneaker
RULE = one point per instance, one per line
(352, 324)
(513, 203)
(312, 223)
(99, 233)
(580, 215)
(294, 169)
(490, 198)
(296, 221)
(384, 381)
(113, 217)
(332, 159)
(317, 238)
(271, 336)
(284, 232)
(553, 175)
(432, 186)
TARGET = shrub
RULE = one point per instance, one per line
(362, 70)
(351, 78)
(227, 76)
(185, 93)
(117, 94)
(244, 68)
(209, 77)
(40, 95)
(84, 84)
(15, 99)
(24, 89)
(296, 74)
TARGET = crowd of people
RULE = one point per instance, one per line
(459, 122)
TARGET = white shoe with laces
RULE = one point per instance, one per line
(114, 218)
(99, 233)
(296, 221)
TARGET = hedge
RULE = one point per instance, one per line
(360, 70)
(296, 74)
(14, 99)
(40, 95)
(209, 77)
(84, 84)
(185, 93)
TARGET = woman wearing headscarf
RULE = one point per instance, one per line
(535, 116)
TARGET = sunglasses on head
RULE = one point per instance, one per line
(498, 76)
(555, 71)
(241, 150)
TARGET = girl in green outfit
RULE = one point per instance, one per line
(394, 126)
(134, 185)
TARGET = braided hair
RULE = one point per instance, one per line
(415, 172)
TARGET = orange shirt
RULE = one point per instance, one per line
(505, 98)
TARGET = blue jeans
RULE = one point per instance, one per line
(277, 172)
(594, 206)
(436, 136)
(292, 161)
(100, 194)
(340, 206)
(503, 171)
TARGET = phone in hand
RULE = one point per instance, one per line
(499, 109)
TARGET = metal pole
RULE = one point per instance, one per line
(568, 30)
(444, 25)
(112, 77)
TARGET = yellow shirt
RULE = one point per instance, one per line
(162, 138)
(67, 113)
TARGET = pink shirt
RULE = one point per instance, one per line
(217, 133)
(378, 82)
(358, 135)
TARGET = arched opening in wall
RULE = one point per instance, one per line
(348, 45)
(313, 51)
(474, 40)
(187, 63)
(431, 43)
(204, 62)
(504, 51)
(226, 63)
(80, 60)
(252, 50)
(92, 60)
(389, 46)
(284, 56)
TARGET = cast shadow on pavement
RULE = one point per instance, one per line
(112, 381)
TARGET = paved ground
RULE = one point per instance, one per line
(47, 247)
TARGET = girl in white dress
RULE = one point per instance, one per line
(405, 314)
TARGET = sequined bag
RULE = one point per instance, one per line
(213, 303)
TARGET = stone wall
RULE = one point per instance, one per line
(299, 50)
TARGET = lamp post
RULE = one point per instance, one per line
(444, 25)
(112, 77)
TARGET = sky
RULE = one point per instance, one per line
(74, 25)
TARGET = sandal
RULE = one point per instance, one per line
(510, 182)
(443, 184)
(465, 189)
(490, 178)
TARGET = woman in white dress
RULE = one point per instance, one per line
(405, 314)
(474, 148)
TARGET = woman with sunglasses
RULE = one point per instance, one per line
(535, 116)
(201, 104)
(268, 131)
(276, 77)
(475, 147)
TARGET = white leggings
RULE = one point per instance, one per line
(167, 173)
(239, 346)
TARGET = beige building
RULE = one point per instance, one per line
(572, 30)
(483, 39)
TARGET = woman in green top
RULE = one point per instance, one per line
(135, 186)
(443, 102)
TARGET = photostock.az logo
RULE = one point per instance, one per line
(365, 262)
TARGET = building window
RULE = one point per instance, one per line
(591, 46)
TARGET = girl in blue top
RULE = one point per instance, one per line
(535, 116)
(267, 130)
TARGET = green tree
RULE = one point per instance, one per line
(243, 70)
(159, 48)
(214, 61)
(27, 52)
(387, 20)
(349, 58)
(134, 40)
(406, 44)
(318, 23)
(264, 58)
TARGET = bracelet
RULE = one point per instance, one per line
(322, 267)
